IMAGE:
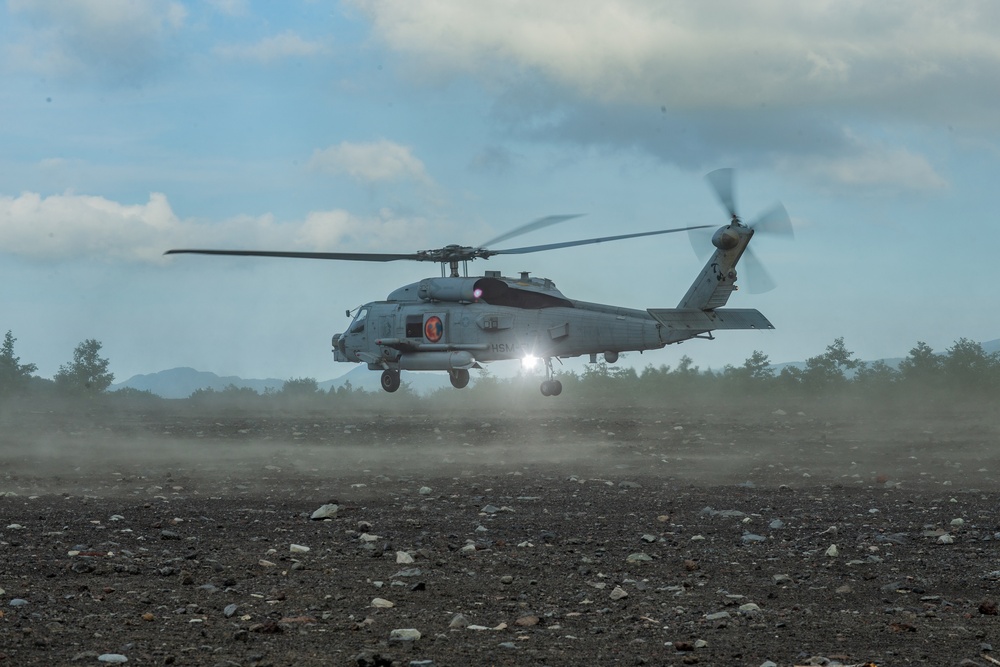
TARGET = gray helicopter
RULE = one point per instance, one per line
(455, 323)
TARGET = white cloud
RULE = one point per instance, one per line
(698, 83)
(287, 44)
(875, 168)
(116, 41)
(69, 226)
(373, 162)
(724, 54)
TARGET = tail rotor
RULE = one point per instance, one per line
(774, 221)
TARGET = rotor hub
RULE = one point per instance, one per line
(726, 238)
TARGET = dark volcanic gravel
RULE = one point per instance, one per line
(558, 536)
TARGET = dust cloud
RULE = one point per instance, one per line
(176, 447)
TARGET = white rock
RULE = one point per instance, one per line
(832, 552)
(404, 635)
(425, 491)
(638, 558)
(403, 558)
(946, 539)
(382, 603)
(618, 593)
(299, 549)
(958, 522)
(328, 511)
(112, 658)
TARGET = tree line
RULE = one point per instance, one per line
(964, 369)
(86, 375)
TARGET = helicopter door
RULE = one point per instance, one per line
(385, 325)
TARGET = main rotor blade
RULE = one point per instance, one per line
(775, 221)
(701, 241)
(530, 227)
(721, 181)
(349, 256)
(570, 244)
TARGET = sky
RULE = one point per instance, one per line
(130, 127)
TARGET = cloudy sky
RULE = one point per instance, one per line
(134, 126)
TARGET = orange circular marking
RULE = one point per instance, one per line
(433, 328)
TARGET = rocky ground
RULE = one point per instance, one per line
(558, 535)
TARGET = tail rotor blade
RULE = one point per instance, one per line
(721, 181)
(775, 221)
(758, 279)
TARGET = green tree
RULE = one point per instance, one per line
(967, 366)
(756, 368)
(14, 376)
(828, 370)
(877, 377)
(300, 388)
(922, 368)
(87, 373)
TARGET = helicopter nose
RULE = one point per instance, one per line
(339, 347)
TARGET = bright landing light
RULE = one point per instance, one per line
(529, 361)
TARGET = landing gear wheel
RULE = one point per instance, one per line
(551, 388)
(459, 378)
(390, 380)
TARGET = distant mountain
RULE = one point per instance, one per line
(182, 382)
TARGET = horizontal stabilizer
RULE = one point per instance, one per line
(695, 320)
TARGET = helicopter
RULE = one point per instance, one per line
(457, 322)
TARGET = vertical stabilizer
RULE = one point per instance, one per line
(712, 287)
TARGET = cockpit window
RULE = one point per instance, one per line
(359, 322)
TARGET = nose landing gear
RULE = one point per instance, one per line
(459, 378)
(390, 380)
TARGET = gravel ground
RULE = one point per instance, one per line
(560, 535)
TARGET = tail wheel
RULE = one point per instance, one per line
(551, 388)
(390, 380)
(459, 378)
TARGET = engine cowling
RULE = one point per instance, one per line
(457, 290)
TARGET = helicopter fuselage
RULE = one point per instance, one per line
(463, 321)
(453, 324)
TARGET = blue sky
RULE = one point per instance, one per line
(134, 126)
